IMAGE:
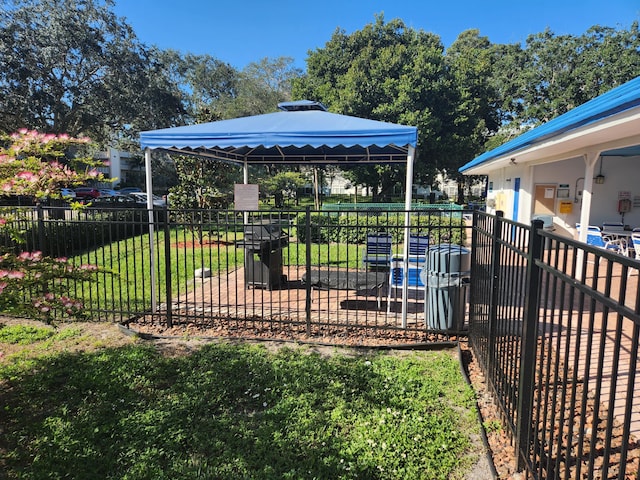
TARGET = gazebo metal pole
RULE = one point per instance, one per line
(245, 180)
(407, 223)
(152, 253)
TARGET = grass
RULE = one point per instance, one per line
(230, 411)
(125, 283)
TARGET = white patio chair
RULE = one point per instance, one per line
(415, 286)
(597, 239)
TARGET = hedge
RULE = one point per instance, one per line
(353, 228)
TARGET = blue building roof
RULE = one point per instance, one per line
(615, 101)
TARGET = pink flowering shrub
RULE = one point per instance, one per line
(43, 280)
(34, 164)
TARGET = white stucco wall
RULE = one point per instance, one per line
(622, 174)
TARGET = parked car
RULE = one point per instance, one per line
(157, 200)
(125, 207)
(117, 201)
(108, 192)
(87, 193)
(68, 193)
(128, 190)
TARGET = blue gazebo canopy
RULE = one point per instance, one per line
(302, 132)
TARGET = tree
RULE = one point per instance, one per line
(72, 66)
(203, 184)
(283, 185)
(40, 165)
(386, 72)
(553, 74)
(474, 114)
(255, 90)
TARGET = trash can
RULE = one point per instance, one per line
(448, 258)
(446, 301)
(446, 280)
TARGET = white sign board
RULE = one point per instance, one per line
(245, 197)
(623, 195)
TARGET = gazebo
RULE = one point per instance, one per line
(301, 133)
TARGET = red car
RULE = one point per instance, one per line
(84, 193)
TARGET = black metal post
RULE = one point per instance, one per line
(40, 212)
(474, 262)
(307, 226)
(495, 288)
(529, 346)
(167, 265)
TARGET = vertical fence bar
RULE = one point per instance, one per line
(167, 266)
(495, 290)
(307, 305)
(529, 346)
(40, 211)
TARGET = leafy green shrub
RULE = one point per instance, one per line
(354, 227)
(66, 239)
(321, 227)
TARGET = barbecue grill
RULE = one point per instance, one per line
(263, 244)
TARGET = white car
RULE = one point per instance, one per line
(142, 196)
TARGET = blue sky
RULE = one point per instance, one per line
(244, 31)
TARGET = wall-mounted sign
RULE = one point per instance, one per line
(563, 191)
(566, 206)
(624, 195)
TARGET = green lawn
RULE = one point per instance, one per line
(125, 281)
(228, 411)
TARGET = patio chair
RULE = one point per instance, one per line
(613, 226)
(377, 252)
(396, 277)
(635, 244)
(597, 239)
(418, 245)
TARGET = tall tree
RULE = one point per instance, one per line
(72, 66)
(474, 114)
(552, 74)
(257, 89)
(387, 72)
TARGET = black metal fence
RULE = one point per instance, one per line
(554, 325)
(307, 272)
(553, 322)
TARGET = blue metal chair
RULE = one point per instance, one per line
(418, 245)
